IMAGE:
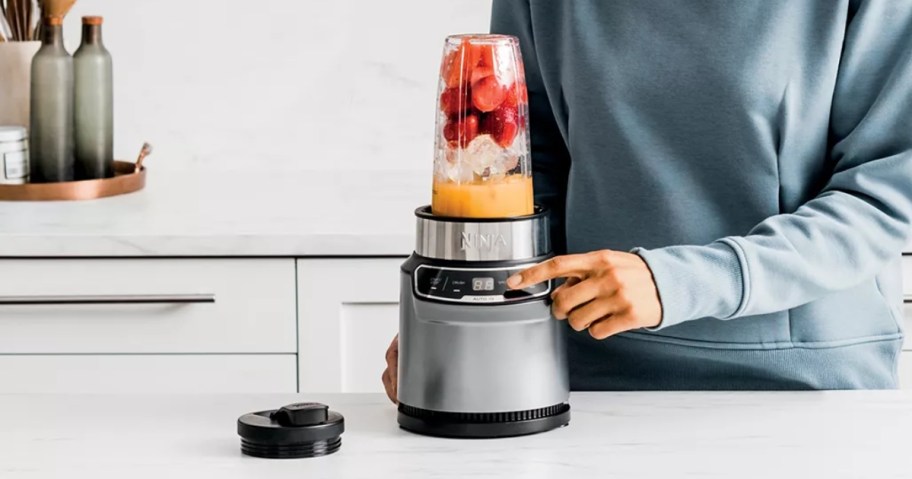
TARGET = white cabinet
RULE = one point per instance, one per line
(264, 324)
(347, 314)
(907, 273)
(147, 306)
(905, 362)
(905, 370)
(254, 373)
(148, 325)
(907, 325)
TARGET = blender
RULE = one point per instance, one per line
(477, 359)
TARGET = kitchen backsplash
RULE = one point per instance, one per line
(278, 84)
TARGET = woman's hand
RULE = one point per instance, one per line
(607, 292)
(391, 373)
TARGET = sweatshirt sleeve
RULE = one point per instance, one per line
(858, 222)
(550, 157)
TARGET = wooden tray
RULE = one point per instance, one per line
(125, 180)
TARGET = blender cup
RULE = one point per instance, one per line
(482, 166)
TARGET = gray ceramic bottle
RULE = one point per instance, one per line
(94, 104)
(51, 136)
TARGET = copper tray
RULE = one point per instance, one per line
(127, 179)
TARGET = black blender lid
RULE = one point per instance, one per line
(306, 429)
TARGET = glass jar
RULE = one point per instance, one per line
(482, 166)
(14, 158)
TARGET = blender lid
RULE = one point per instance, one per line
(306, 429)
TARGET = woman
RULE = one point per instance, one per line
(754, 157)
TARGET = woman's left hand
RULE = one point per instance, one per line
(607, 292)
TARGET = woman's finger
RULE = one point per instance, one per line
(584, 316)
(392, 352)
(388, 386)
(614, 324)
(394, 377)
(572, 297)
(569, 282)
(574, 265)
(390, 375)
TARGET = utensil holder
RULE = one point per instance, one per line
(15, 81)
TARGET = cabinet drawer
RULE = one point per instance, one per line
(907, 274)
(907, 326)
(252, 373)
(147, 306)
(905, 370)
(344, 331)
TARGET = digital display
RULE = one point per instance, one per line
(482, 284)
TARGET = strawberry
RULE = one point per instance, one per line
(516, 95)
(480, 72)
(459, 63)
(511, 100)
(486, 56)
(502, 124)
(488, 94)
(469, 128)
(450, 131)
(454, 101)
(459, 132)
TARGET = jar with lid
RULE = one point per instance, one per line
(14, 157)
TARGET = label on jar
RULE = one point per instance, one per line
(15, 166)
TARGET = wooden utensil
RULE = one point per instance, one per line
(18, 6)
(11, 19)
(56, 8)
(27, 32)
(18, 17)
(6, 33)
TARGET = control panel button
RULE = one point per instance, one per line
(466, 285)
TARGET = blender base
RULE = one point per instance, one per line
(482, 425)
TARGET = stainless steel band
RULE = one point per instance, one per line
(459, 239)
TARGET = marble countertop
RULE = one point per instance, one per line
(631, 435)
(193, 213)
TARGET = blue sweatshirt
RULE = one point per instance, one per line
(756, 154)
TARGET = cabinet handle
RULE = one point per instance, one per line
(907, 299)
(108, 299)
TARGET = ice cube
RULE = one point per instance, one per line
(482, 153)
(505, 64)
(516, 151)
(455, 168)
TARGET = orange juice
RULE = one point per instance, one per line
(493, 198)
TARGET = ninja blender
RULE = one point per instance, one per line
(477, 359)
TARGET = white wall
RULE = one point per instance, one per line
(279, 84)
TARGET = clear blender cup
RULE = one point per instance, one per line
(482, 167)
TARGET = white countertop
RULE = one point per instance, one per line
(192, 213)
(658, 434)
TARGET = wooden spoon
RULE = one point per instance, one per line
(56, 8)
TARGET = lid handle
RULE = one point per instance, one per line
(301, 414)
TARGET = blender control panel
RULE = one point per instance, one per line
(476, 285)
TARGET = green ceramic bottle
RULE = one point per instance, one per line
(94, 104)
(51, 136)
